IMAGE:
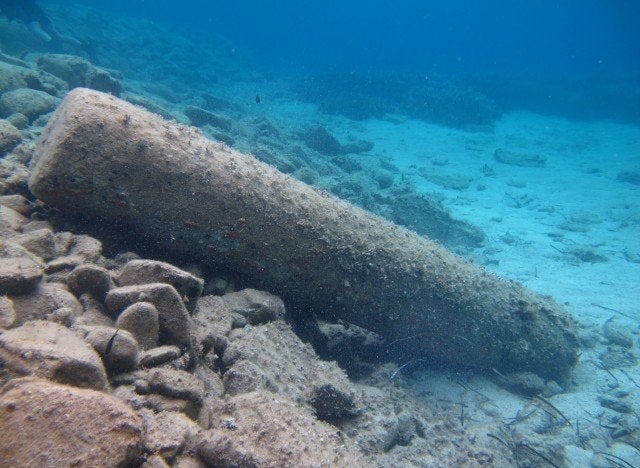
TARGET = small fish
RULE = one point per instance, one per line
(110, 343)
(258, 99)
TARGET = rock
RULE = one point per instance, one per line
(171, 383)
(17, 203)
(76, 71)
(10, 221)
(13, 76)
(631, 177)
(523, 383)
(35, 225)
(138, 396)
(10, 136)
(321, 253)
(213, 386)
(617, 333)
(117, 348)
(332, 404)
(377, 429)
(167, 432)
(39, 242)
(16, 77)
(90, 279)
(19, 275)
(351, 346)
(86, 247)
(319, 139)
(43, 301)
(30, 102)
(57, 425)
(13, 175)
(519, 159)
(7, 314)
(617, 356)
(384, 179)
(141, 319)
(18, 120)
(200, 117)
(59, 268)
(174, 317)
(51, 351)
(281, 363)
(256, 306)
(155, 357)
(615, 404)
(357, 147)
(212, 323)
(245, 377)
(94, 313)
(156, 461)
(425, 215)
(149, 104)
(151, 271)
(11, 249)
(287, 435)
(188, 461)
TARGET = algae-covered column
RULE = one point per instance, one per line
(105, 158)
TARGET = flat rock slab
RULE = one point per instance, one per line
(51, 425)
(152, 271)
(48, 350)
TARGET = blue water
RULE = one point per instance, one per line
(580, 59)
(416, 98)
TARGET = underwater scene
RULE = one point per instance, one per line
(320, 234)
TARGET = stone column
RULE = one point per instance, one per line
(102, 157)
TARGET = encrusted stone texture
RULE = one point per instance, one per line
(46, 349)
(320, 254)
(45, 424)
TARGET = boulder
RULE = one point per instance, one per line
(48, 350)
(30, 102)
(256, 306)
(212, 323)
(91, 279)
(77, 71)
(174, 318)
(200, 117)
(272, 357)
(57, 425)
(19, 275)
(43, 301)
(157, 356)
(10, 136)
(167, 432)
(323, 256)
(10, 221)
(7, 314)
(263, 429)
(152, 271)
(39, 242)
(117, 348)
(141, 319)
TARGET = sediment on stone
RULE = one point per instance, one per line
(103, 157)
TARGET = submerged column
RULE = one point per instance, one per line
(105, 158)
